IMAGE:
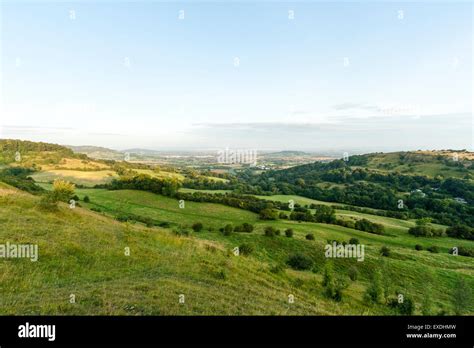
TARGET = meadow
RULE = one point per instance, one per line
(130, 252)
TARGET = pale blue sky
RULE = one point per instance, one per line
(242, 74)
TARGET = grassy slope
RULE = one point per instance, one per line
(407, 269)
(427, 164)
(82, 253)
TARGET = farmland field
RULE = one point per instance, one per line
(86, 178)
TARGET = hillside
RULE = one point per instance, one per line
(98, 152)
(182, 240)
(82, 253)
(404, 183)
(442, 164)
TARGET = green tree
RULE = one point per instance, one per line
(374, 292)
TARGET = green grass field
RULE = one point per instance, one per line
(82, 253)
(407, 269)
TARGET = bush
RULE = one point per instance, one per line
(268, 214)
(63, 190)
(276, 269)
(433, 249)
(48, 202)
(463, 251)
(197, 227)
(283, 216)
(418, 247)
(181, 231)
(245, 249)
(354, 241)
(123, 217)
(460, 231)
(374, 292)
(86, 199)
(384, 251)
(222, 275)
(289, 232)
(328, 274)
(369, 226)
(424, 231)
(407, 307)
(333, 287)
(310, 236)
(271, 231)
(300, 262)
(98, 210)
(245, 227)
(227, 230)
(353, 273)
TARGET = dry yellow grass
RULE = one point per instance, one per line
(77, 164)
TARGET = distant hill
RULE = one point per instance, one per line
(97, 152)
(434, 184)
(443, 164)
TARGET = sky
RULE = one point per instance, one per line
(348, 76)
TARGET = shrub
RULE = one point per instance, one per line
(406, 307)
(86, 199)
(354, 241)
(463, 251)
(268, 214)
(369, 226)
(353, 273)
(328, 274)
(181, 231)
(98, 210)
(63, 190)
(461, 231)
(276, 269)
(270, 231)
(424, 231)
(245, 249)
(418, 247)
(282, 215)
(227, 230)
(310, 236)
(300, 262)
(245, 227)
(384, 251)
(339, 286)
(333, 287)
(289, 232)
(48, 202)
(222, 275)
(374, 292)
(122, 217)
(197, 227)
(433, 249)
(148, 222)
